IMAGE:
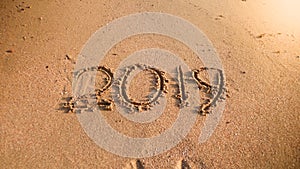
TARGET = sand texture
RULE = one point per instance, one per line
(258, 42)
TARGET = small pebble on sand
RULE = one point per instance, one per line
(68, 57)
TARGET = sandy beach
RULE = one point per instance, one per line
(258, 43)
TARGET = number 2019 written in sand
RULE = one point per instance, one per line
(212, 92)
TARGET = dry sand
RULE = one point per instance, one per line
(257, 41)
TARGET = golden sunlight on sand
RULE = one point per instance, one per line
(287, 13)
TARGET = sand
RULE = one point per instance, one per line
(258, 43)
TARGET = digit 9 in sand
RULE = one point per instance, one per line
(104, 39)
